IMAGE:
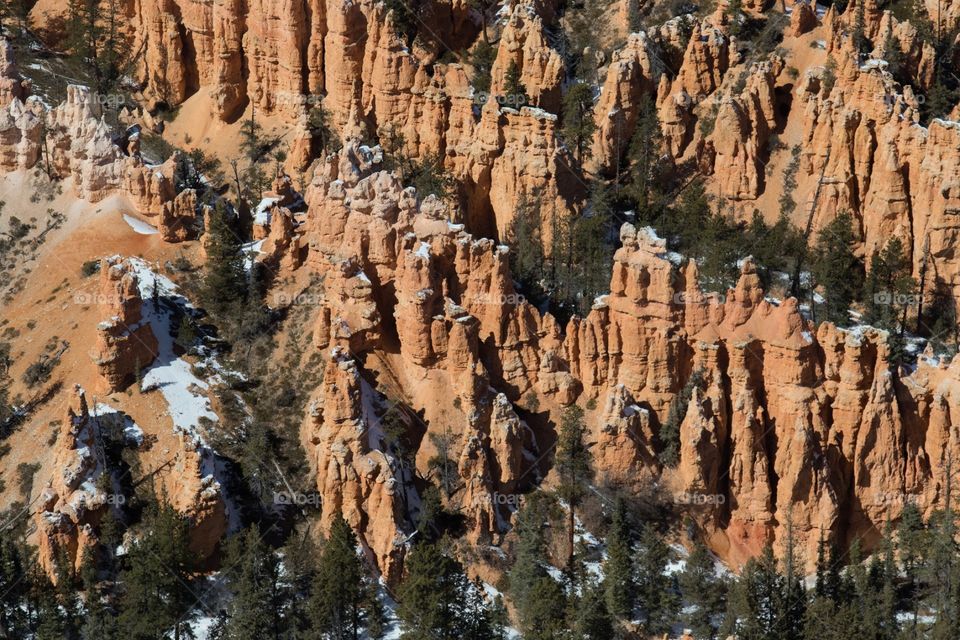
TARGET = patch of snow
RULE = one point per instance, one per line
(261, 215)
(423, 251)
(132, 433)
(140, 226)
(250, 252)
(874, 63)
(184, 392)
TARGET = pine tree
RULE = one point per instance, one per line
(51, 621)
(258, 595)
(321, 130)
(593, 620)
(889, 287)
(578, 122)
(791, 598)
(157, 577)
(514, 93)
(670, 430)
(482, 59)
(912, 546)
(735, 16)
(573, 468)
(527, 255)
(442, 462)
(756, 597)
(860, 41)
(592, 257)
(300, 567)
(645, 154)
(14, 587)
(97, 41)
(656, 594)
(618, 570)
(225, 281)
(543, 617)
(407, 18)
(481, 621)
(433, 595)
(942, 571)
(342, 588)
(837, 269)
(703, 590)
(536, 595)
(100, 621)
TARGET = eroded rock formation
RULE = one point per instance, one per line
(125, 341)
(787, 423)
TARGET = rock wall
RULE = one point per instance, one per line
(791, 423)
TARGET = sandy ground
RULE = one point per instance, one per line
(194, 128)
(57, 306)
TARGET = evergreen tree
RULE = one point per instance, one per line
(703, 590)
(756, 599)
(860, 40)
(536, 595)
(156, 578)
(342, 589)
(50, 622)
(618, 570)
(592, 253)
(300, 567)
(942, 569)
(889, 287)
(321, 129)
(543, 617)
(481, 620)
(578, 122)
(837, 269)
(670, 429)
(527, 255)
(656, 593)
(433, 595)
(482, 59)
(573, 468)
(912, 546)
(14, 586)
(258, 596)
(407, 17)
(100, 620)
(514, 93)
(593, 620)
(442, 463)
(791, 598)
(225, 280)
(645, 153)
(95, 37)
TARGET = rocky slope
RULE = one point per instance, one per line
(791, 425)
